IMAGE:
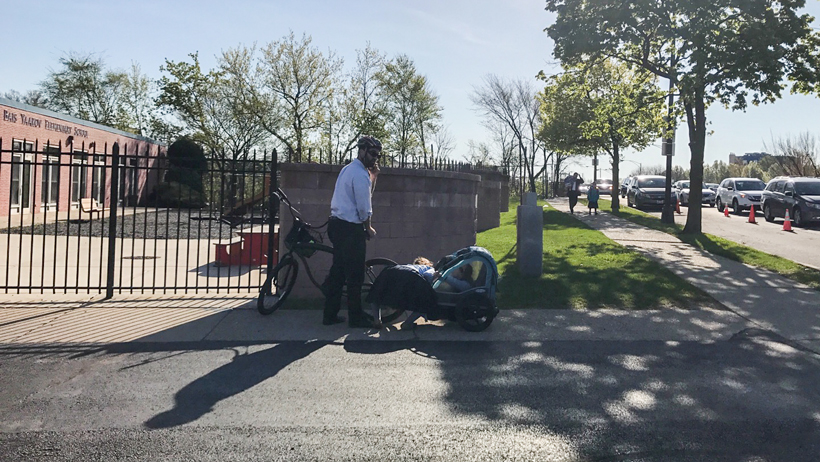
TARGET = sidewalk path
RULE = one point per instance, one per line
(768, 301)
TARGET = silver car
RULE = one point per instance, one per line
(681, 189)
(739, 193)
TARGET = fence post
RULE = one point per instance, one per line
(112, 219)
(273, 208)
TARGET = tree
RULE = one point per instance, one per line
(720, 51)
(512, 103)
(82, 87)
(443, 144)
(357, 109)
(140, 112)
(32, 97)
(210, 108)
(296, 83)
(617, 108)
(796, 156)
(412, 107)
(478, 152)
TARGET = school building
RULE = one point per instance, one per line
(50, 162)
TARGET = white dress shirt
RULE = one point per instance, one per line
(351, 196)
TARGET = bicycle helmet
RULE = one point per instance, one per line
(369, 142)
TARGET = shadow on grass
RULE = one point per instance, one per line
(584, 270)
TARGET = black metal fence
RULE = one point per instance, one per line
(113, 219)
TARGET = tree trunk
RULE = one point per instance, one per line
(697, 143)
(616, 196)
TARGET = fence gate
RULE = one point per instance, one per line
(77, 220)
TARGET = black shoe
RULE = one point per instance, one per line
(363, 320)
(334, 320)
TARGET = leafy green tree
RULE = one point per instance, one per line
(753, 170)
(618, 108)
(82, 87)
(287, 90)
(412, 107)
(721, 51)
(357, 109)
(208, 107)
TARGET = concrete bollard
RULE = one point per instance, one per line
(530, 233)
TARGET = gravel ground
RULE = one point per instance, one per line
(162, 224)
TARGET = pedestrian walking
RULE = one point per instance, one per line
(574, 191)
(349, 228)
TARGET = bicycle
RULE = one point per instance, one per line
(302, 242)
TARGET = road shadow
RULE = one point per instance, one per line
(753, 397)
(243, 372)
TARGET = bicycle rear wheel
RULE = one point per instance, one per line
(277, 285)
(374, 267)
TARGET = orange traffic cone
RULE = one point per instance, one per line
(725, 210)
(677, 206)
(752, 215)
(787, 223)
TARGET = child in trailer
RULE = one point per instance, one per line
(460, 281)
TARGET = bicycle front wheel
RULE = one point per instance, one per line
(278, 285)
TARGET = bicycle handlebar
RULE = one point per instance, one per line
(284, 199)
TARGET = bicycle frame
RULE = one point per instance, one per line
(309, 246)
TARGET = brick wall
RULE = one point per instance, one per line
(415, 212)
(491, 200)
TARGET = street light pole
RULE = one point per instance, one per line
(640, 167)
(668, 148)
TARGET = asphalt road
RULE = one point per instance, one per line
(749, 398)
(802, 245)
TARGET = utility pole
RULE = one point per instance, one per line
(668, 150)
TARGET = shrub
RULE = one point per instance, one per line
(177, 195)
(186, 164)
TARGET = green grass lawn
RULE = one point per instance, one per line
(719, 246)
(583, 269)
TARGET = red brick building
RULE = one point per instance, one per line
(50, 161)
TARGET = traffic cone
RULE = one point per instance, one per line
(726, 211)
(752, 215)
(787, 222)
(677, 206)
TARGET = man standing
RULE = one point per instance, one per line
(574, 191)
(348, 229)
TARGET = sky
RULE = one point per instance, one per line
(454, 43)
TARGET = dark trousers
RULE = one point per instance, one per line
(573, 199)
(349, 245)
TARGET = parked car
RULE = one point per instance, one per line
(604, 186)
(625, 186)
(799, 195)
(646, 190)
(741, 193)
(584, 188)
(681, 189)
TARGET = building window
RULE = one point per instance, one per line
(98, 179)
(79, 176)
(50, 184)
(22, 160)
